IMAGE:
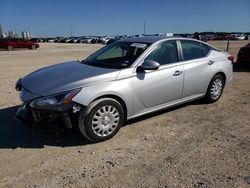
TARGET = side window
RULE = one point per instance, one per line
(191, 50)
(165, 53)
(205, 49)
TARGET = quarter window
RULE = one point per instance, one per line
(165, 53)
(205, 49)
(191, 50)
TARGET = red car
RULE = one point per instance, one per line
(244, 55)
(230, 37)
(10, 44)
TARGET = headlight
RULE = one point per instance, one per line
(45, 101)
(18, 86)
(60, 102)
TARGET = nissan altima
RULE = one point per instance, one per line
(124, 80)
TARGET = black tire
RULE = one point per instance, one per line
(86, 118)
(210, 95)
(9, 48)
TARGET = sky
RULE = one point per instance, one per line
(115, 17)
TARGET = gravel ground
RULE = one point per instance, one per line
(193, 145)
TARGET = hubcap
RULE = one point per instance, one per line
(216, 89)
(105, 121)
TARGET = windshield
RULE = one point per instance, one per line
(118, 55)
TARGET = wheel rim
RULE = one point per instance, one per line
(105, 120)
(216, 89)
(33, 47)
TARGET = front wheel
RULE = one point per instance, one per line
(33, 47)
(101, 120)
(215, 88)
(10, 48)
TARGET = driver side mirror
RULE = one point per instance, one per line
(148, 65)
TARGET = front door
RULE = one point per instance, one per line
(158, 88)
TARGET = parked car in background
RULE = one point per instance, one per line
(73, 40)
(105, 40)
(239, 37)
(66, 40)
(229, 37)
(81, 40)
(244, 55)
(220, 37)
(210, 36)
(124, 80)
(51, 40)
(10, 44)
(58, 40)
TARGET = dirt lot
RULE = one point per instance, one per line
(194, 145)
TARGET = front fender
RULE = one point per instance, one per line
(120, 88)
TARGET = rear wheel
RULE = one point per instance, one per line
(215, 88)
(10, 48)
(101, 120)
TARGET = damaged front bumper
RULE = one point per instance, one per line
(46, 109)
(29, 115)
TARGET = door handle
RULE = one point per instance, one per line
(210, 62)
(177, 73)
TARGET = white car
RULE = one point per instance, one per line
(240, 37)
(126, 79)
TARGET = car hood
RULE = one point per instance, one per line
(66, 76)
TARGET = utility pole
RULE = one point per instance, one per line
(1, 32)
(71, 31)
(227, 45)
(144, 28)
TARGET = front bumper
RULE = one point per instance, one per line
(46, 109)
(28, 115)
(23, 114)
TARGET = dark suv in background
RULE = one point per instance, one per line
(244, 55)
(10, 44)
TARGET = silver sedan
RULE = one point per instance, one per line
(124, 80)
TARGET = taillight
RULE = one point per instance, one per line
(231, 58)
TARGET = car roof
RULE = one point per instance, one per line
(149, 39)
(153, 39)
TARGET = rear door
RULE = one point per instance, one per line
(199, 67)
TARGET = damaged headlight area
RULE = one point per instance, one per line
(48, 109)
(61, 102)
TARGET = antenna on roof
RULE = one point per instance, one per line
(144, 28)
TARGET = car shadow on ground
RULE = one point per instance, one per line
(14, 134)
